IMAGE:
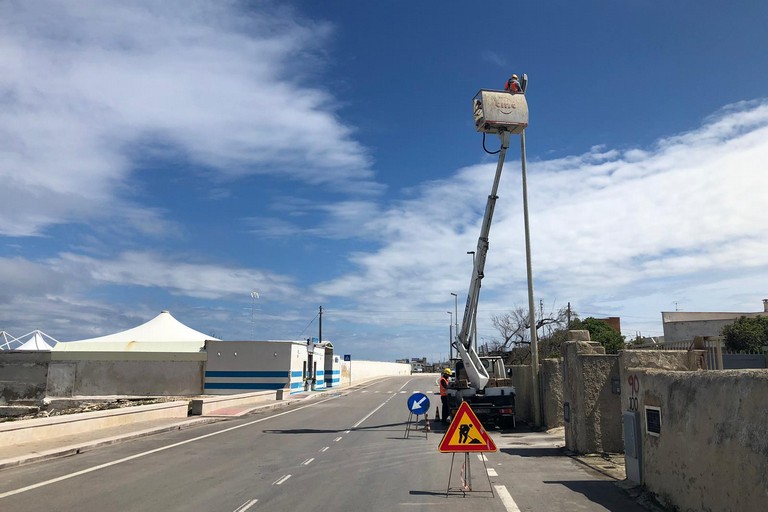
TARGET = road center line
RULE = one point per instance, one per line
(324, 449)
(150, 452)
(308, 461)
(337, 439)
(506, 498)
(492, 472)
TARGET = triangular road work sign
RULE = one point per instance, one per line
(466, 434)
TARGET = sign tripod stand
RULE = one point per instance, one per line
(466, 477)
(418, 405)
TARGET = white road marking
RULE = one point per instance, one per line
(403, 392)
(482, 457)
(324, 449)
(337, 439)
(380, 406)
(245, 506)
(309, 461)
(150, 452)
(506, 498)
(364, 391)
(347, 431)
(281, 480)
(492, 472)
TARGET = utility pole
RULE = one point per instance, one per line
(568, 313)
(320, 333)
(532, 314)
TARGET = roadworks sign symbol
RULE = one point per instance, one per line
(466, 434)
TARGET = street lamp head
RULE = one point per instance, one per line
(454, 294)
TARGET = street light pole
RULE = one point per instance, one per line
(254, 296)
(531, 311)
(456, 313)
(450, 337)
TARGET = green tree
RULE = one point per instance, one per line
(602, 333)
(746, 334)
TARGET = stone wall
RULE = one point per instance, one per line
(23, 376)
(712, 449)
(591, 390)
(521, 379)
(552, 392)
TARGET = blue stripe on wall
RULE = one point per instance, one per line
(296, 373)
(245, 385)
(236, 374)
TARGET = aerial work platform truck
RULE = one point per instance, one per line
(483, 381)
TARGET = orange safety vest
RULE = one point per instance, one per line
(443, 386)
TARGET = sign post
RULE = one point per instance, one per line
(348, 358)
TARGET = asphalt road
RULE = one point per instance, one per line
(341, 451)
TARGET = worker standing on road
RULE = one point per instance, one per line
(513, 85)
(443, 383)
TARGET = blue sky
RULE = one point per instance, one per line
(180, 155)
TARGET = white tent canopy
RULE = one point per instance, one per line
(5, 340)
(36, 342)
(161, 334)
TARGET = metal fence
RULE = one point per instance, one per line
(717, 356)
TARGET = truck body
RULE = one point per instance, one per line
(483, 381)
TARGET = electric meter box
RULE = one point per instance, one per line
(497, 111)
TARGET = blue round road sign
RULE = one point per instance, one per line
(418, 403)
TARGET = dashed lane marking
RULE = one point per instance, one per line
(281, 480)
(337, 439)
(492, 472)
(506, 498)
(324, 449)
(245, 506)
(309, 461)
(156, 450)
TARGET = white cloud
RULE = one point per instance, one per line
(178, 277)
(606, 226)
(87, 86)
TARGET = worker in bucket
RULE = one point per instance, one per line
(443, 383)
(513, 85)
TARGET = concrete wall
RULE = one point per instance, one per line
(521, 379)
(552, 392)
(591, 390)
(132, 377)
(23, 375)
(363, 370)
(240, 366)
(712, 451)
(685, 331)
